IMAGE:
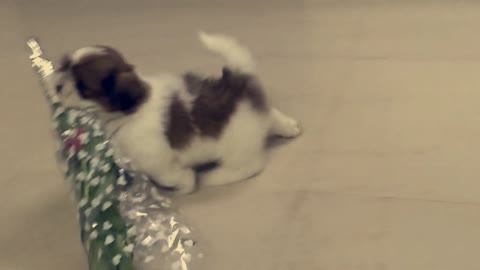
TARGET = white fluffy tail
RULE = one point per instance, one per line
(238, 57)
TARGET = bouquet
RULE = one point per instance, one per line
(125, 223)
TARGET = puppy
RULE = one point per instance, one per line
(170, 124)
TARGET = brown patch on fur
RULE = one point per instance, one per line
(109, 80)
(180, 128)
(217, 99)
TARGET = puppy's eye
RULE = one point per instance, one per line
(81, 87)
(59, 88)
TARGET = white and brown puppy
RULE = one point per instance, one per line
(171, 124)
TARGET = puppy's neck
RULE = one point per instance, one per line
(142, 99)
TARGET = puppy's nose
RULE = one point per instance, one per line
(58, 88)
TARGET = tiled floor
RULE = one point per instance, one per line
(386, 176)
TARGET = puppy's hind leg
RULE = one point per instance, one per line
(283, 125)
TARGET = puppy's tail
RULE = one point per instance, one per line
(238, 57)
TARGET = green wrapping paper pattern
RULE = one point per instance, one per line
(125, 224)
(94, 180)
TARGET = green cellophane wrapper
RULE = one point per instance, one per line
(125, 223)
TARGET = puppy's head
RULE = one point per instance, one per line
(100, 74)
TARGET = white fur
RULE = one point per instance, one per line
(240, 148)
(141, 139)
(238, 57)
(85, 51)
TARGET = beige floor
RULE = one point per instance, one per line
(386, 176)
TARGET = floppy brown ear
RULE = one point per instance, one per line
(125, 91)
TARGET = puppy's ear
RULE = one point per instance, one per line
(124, 90)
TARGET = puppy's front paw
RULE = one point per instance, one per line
(183, 190)
(179, 182)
